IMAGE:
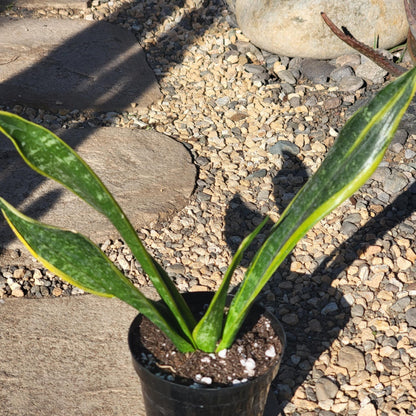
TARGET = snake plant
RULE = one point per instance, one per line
(352, 159)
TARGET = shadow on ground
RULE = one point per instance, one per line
(310, 308)
(105, 71)
(4, 5)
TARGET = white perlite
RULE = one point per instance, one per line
(249, 365)
(270, 352)
(203, 379)
(206, 380)
(222, 353)
(237, 381)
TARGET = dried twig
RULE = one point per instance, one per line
(374, 55)
(411, 46)
(410, 8)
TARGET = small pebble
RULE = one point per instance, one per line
(351, 83)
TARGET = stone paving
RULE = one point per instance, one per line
(55, 4)
(73, 64)
(151, 176)
(67, 357)
(257, 125)
(70, 357)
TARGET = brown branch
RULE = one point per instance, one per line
(410, 8)
(411, 46)
(375, 56)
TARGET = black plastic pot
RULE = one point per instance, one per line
(165, 398)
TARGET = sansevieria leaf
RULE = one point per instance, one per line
(80, 262)
(208, 330)
(352, 159)
(47, 154)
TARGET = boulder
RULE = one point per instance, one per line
(295, 27)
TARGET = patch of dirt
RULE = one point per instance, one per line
(256, 343)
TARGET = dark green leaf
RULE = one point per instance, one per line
(50, 156)
(77, 260)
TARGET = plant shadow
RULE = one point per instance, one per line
(312, 311)
(242, 217)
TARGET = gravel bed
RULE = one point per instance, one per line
(257, 126)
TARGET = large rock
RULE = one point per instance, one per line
(150, 175)
(73, 64)
(295, 27)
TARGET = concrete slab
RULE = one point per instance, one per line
(56, 4)
(151, 176)
(73, 64)
(67, 357)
